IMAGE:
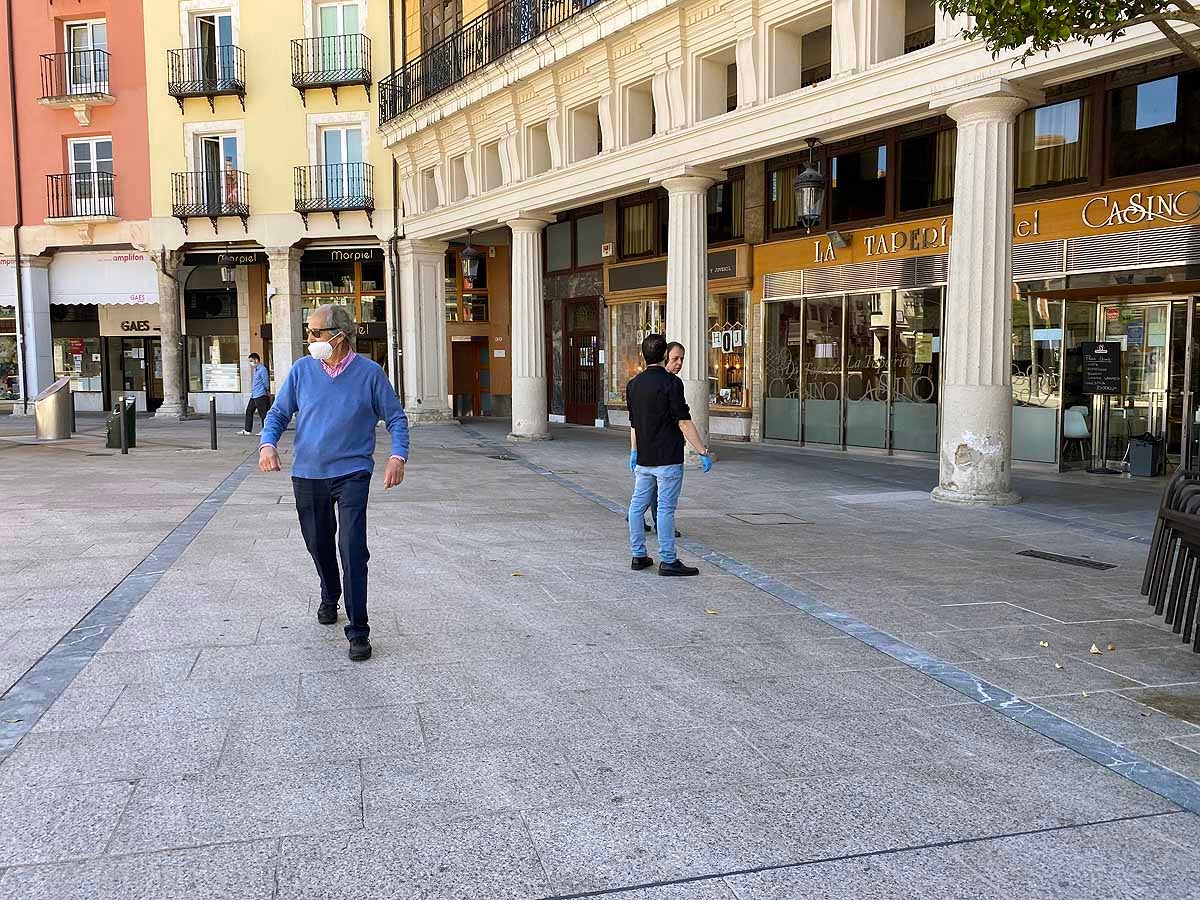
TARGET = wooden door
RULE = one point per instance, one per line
(465, 380)
(581, 372)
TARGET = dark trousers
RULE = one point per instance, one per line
(261, 405)
(316, 500)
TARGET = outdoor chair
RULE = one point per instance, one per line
(1172, 577)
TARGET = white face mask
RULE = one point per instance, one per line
(321, 349)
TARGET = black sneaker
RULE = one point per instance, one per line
(676, 568)
(327, 613)
(641, 562)
(360, 649)
(647, 527)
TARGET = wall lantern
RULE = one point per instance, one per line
(809, 188)
(471, 258)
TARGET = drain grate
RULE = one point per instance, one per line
(768, 519)
(1067, 560)
(503, 456)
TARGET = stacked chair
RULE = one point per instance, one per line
(1172, 578)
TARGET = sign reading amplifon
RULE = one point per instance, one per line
(129, 320)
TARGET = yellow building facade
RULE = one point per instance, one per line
(271, 192)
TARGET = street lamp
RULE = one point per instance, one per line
(470, 261)
(809, 190)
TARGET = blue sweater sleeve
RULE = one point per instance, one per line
(388, 408)
(282, 410)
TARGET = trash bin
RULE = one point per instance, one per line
(1147, 456)
(54, 412)
(114, 436)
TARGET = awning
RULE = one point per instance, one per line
(120, 276)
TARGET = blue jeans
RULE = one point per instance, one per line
(316, 500)
(667, 481)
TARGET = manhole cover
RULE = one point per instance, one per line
(503, 456)
(768, 519)
(1067, 560)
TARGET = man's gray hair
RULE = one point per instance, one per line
(338, 316)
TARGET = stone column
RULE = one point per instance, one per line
(423, 330)
(530, 419)
(175, 401)
(976, 434)
(38, 350)
(287, 316)
(687, 287)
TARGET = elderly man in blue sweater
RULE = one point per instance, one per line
(337, 397)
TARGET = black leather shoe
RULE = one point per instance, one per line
(327, 613)
(676, 568)
(647, 527)
(641, 562)
(360, 649)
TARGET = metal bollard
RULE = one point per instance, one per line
(124, 426)
(212, 422)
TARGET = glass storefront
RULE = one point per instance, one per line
(728, 333)
(628, 325)
(10, 378)
(213, 363)
(79, 358)
(855, 370)
(353, 279)
(1037, 348)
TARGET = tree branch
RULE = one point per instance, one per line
(1187, 47)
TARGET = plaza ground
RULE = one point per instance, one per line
(538, 721)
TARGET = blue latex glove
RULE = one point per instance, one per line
(705, 462)
(632, 460)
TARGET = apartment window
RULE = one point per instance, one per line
(87, 72)
(800, 53)
(731, 88)
(1053, 144)
(816, 55)
(439, 20)
(429, 193)
(858, 185)
(458, 178)
(715, 90)
(558, 246)
(575, 242)
(643, 226)
(537, 149)
(639, 111)
(918, 25)
(781, 196)
(91, 192)
(493, 174)
(927, 170)
(1149, 127)
(727, 210)
(336, 50)
(342, 157)
(586, 140)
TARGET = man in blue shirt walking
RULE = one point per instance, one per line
(260, 394)
(337, 397)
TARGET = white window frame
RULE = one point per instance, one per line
(95, 85)
(87, 205)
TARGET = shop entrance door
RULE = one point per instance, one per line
(470, 378)
(582, 376)
(1144, 332)
(154, 374)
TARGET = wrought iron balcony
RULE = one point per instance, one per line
(212, 71)
(335, 188)
(76, 80)
(331, 62)
(81, 196)
(210, 195)
(502, 29)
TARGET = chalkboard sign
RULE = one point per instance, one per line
(1101, 368)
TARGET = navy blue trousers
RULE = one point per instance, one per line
(328, 535)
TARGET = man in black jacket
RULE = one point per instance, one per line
(659, 421)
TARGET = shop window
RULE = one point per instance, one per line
(1037, 345)
(800, 53)
(1053, 145)
(927, 170)
(727, 211)
(728, 333)
(537, 149)
(466, 301)
(782, 197)
(558, 246)
(858, 185)
(716, 82)
(78, 358)
(589, 238)
(358, 286)
(1149, 126)
(628, 325)
(453, 294)
(10, 380)
(585, 135)
(639, 111)
(916, 368)
(493, 175)
(214, 363)
(638, 229)
(211, 304)
(918, 25)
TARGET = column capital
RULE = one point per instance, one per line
(995, 98)
(693, 182)
(291, 253)
(419, 247)
(529, 224)
(36, 262)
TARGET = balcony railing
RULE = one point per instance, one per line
(212, 71)
(334, 61)
(81, 195)
(479, 43)
(210, 195)
(74, 75)
(335, 188)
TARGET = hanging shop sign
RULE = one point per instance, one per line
(226, 258)
(129, 320)
(344, 256)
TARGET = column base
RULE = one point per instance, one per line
(177, 412)
(429, 416)
(530, 438)
(946, 495)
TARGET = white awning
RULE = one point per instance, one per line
(114, 276)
